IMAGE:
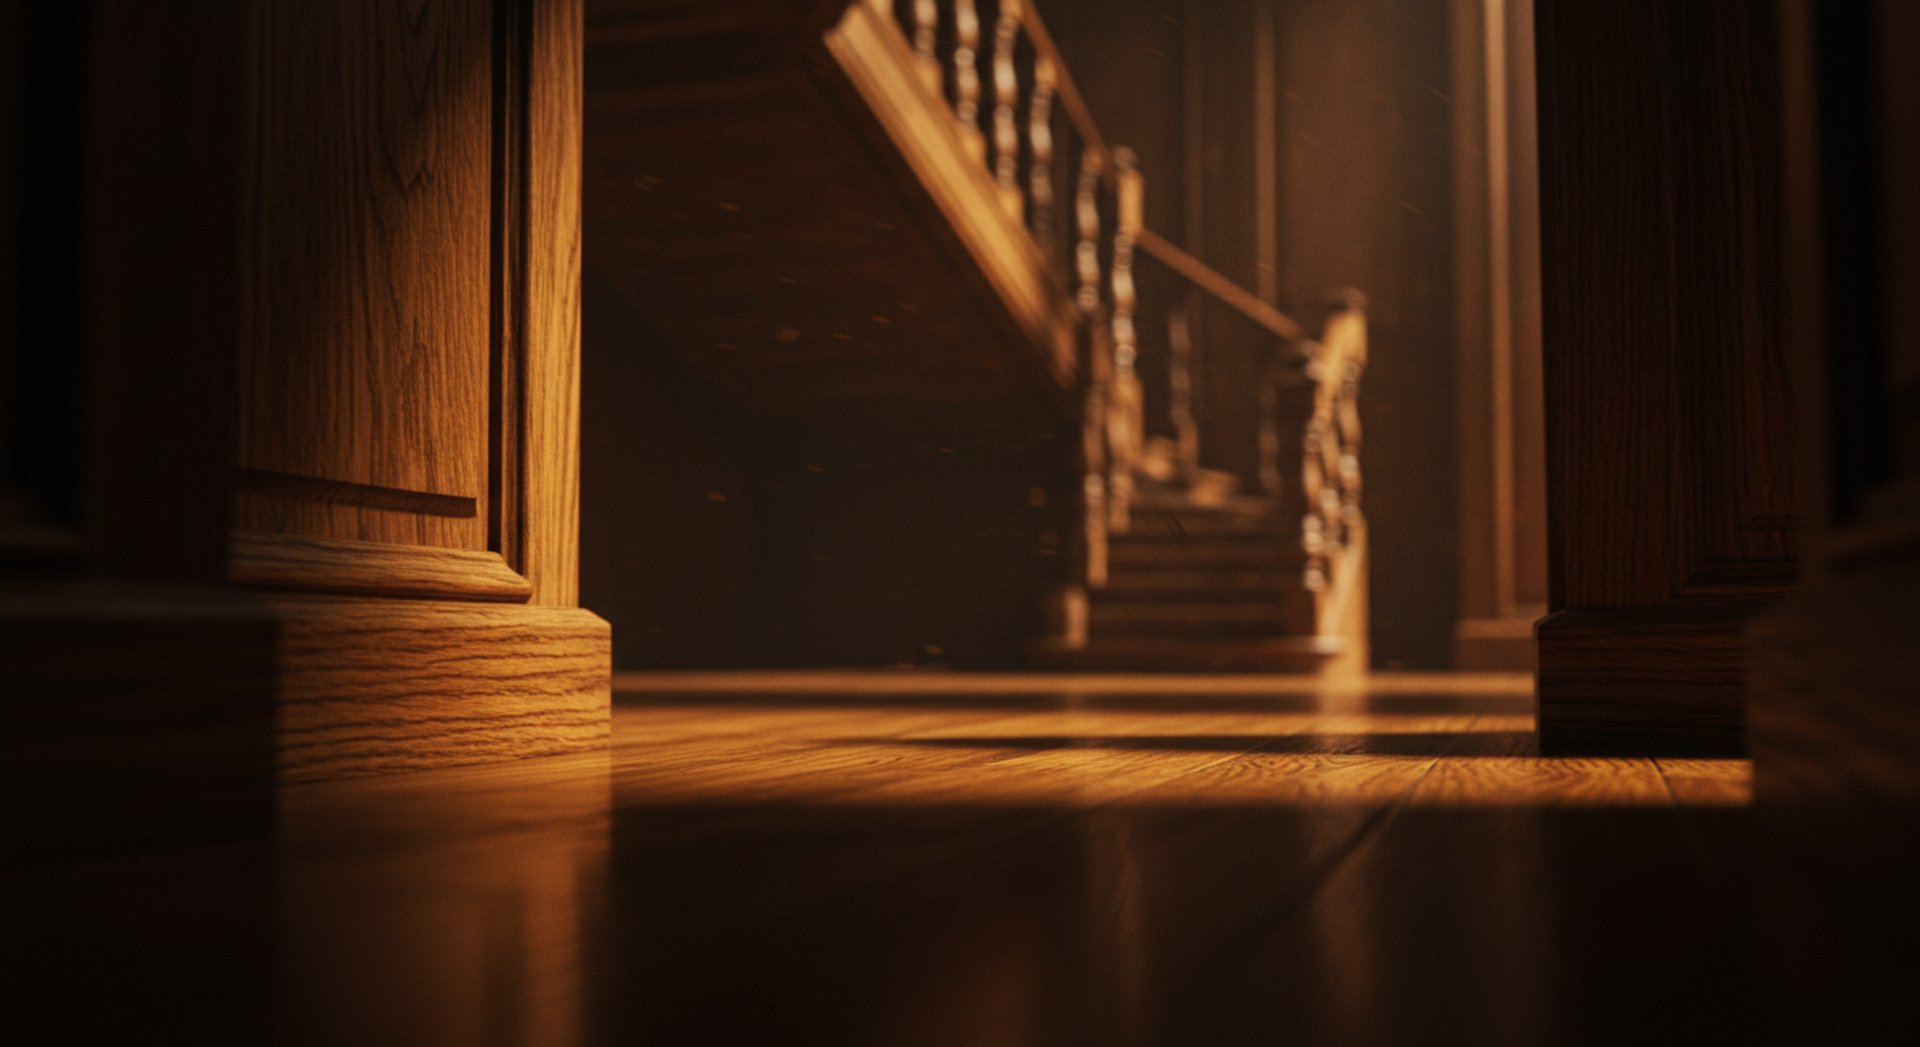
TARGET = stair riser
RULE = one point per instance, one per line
(1280, 624)
(1204, 528)
(1151, 558)
(1162, 582)
(1191, 656)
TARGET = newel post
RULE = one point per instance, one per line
(1670, 485)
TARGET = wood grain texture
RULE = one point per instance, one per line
(1706, 783)
(325, 565)
(549, 532)
(1670, 443)
(410, 406)
(372, 687)
(1502, 476)
(1081, 741)
(879, 65)
(370, 262)
(1639, 681)
(814, 858)
(266, 485)
(1666, 386)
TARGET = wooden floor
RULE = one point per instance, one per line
(932, 859)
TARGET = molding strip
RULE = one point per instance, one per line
(336, 565)
(346, 492)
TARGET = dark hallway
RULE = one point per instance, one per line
(976, 522)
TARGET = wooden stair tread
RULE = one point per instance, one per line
(1177, 588)
(1170, 555)
(1152, 501)
(1272, 623)
(1201, 587)
(1151, 654)
(1184, 528)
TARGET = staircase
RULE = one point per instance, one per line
(1202, 587)
(896, 220)
(1185, 573)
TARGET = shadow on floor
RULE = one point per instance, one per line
(1448, 743)
(1053, 701)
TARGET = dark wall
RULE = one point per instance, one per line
(667, 501)
(711, 542)
(1363, 160)
(1366, 197)
(910, 553)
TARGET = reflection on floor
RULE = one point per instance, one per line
(867, 859)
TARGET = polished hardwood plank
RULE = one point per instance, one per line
(912, 859)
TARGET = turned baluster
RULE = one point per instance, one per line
(1098, 358)
(1093, 481)
(1006, 99)
(1040, 145)
(1186, 427)
(966, 77)
(1126, 406)
(1087, 252)
(1270, 471)
(1314, 539)
(1129, 197)
(926, 37)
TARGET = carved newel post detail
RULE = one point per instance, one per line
(1330, 449)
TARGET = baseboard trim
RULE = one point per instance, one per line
(1495, 644)
(379, 686)
(1642, 681)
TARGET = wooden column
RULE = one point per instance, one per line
(289, 388)
(408, 459)
(1502, 497)
(1835, 670)
(1670, 445)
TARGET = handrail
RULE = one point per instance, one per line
(1207, 279)
(1065, 89)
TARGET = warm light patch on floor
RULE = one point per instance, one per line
(913, 738)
